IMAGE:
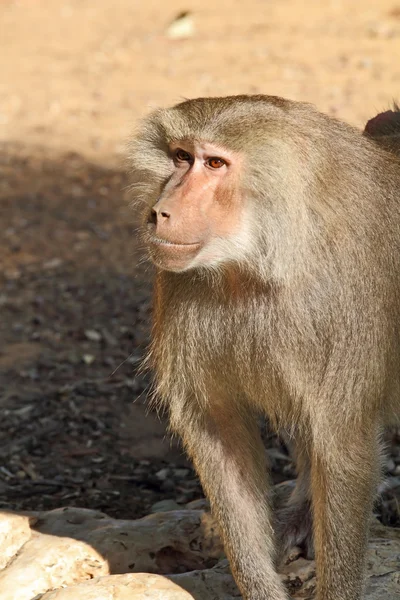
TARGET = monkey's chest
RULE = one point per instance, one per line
(230, 353)
(205, 347)
(240, 354)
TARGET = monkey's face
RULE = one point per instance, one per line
(196, 218)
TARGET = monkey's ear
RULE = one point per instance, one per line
(385, 123)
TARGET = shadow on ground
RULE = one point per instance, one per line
(75, 306)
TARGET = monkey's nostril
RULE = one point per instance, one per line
(152, 217)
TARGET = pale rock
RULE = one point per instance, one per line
(135, 586)
(46, 562)
(70, 553)
(15, 530)
(70, 545)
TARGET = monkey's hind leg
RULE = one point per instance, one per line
(227, 451)
(294, 521)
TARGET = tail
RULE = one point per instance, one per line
(385, 129)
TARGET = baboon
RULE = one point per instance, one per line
(275, 231)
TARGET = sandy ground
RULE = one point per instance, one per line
(75, 306)
(76, 74)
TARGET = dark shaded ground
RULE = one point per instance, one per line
(75, 308)
(75, 318)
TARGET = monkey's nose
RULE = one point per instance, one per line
(155, 215)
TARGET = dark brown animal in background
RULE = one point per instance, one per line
(276, 233)
(385, 129)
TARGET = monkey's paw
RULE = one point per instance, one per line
(294, 536)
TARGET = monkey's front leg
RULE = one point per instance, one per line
(344, 475)
(227, 451)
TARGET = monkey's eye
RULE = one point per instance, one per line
(182, 156)
(215, 163)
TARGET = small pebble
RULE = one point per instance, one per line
(165, 506)
(162, 474)
(390, 465)
(93, 335)
(88, 359)
(181, 472)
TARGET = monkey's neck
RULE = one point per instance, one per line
(230, 284)
(235, 284)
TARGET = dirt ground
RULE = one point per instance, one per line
(75, 294)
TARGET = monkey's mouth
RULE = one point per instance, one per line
(173, 256)
(167, 244)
